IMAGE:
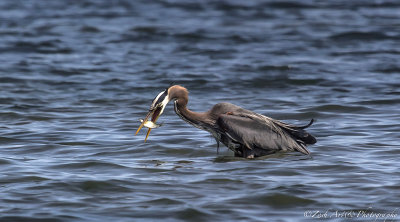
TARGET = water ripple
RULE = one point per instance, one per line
(76, 77)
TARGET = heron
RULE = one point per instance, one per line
(246, 133)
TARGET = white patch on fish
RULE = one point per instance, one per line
(150, 124)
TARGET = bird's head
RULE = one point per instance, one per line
(175, 92)
(156, 109)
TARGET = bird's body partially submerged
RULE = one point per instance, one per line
(246, 133)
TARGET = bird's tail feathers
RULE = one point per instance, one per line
(308, 125)
(300, 133)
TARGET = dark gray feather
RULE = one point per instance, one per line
(257, 131)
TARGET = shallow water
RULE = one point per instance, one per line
(76, 77)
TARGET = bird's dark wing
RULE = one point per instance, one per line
(258, 131)
(298, 132)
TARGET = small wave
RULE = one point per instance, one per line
(45, 47)
(163, 201)
(229, 6)
(193, 214)
(389, 70)
(187, 6)
(4, 161)
(272, 67)
(147, 29)
(76, 71)
(142, 34)
(11, 115)
(89, 164)
(92, 186)
(89, 29)
(222, 181)
(157, 34)
(77, 143)
(289, 5)
(379, 102)
(22, 179)
(305, 81)
(365, 52)
(261, 68)
(12, 80)
(359, 36)
(275, 200)
(101, 186)
(280, 81)
(337, 167)
(338, 108)
(35, 219)
(193, 35)
(378, 4)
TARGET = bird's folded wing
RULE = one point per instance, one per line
(264, 133)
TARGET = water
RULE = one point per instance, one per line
(76, 77)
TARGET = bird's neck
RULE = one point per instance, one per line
(189, 116)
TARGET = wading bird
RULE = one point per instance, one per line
(246, 133)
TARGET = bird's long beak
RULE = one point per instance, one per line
(144, 121)
(154, 116)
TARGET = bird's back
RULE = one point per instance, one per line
(256, 131)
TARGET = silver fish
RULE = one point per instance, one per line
(150, 124)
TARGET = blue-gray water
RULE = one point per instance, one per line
(76, 77)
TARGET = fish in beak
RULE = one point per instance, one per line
(156, 109)
(150, 124)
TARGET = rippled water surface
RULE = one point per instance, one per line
(76, 77)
